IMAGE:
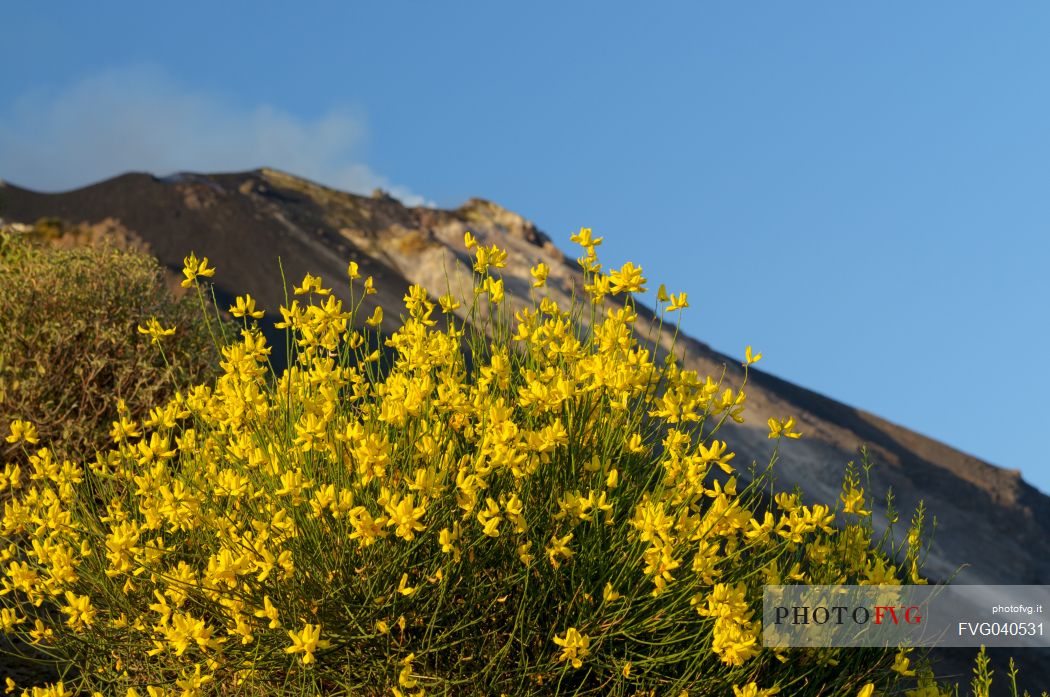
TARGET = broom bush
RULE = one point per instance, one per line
(485, 504)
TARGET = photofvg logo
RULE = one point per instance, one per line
(892, 616)
(844, 614)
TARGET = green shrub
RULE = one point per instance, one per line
(69, 349)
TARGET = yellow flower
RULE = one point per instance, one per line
(609, 594)
(716, 454)
(269, 612)
(599, 289)
(469, 240)
(41, 632)
(245, 305)
(124, 429)
(539, 273)
(311, 284)
(574, 647)
(405, 515)
(404, 678)
(524, 553)
(155, 331)
(494, 289)
(628, 279)
(447, 539)
(192, 269)
(901, 663)
(79, 609)
(584, 239)
(867, 691)
(788, 502)
(635, 444)
(489, 518)
(678, 302)
(559, 547)
(306, 642)
(448, 303)
(589, 263)
(157, 448)
(377, 317)
(353, 271)
(191, 683)
(22, 430)
(785, 429)
(853, 502)
(489, 256)
(750, 358)
(402, 586)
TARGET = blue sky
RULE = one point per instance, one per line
(859, 190)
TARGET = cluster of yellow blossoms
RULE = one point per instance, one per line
(477, 501)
